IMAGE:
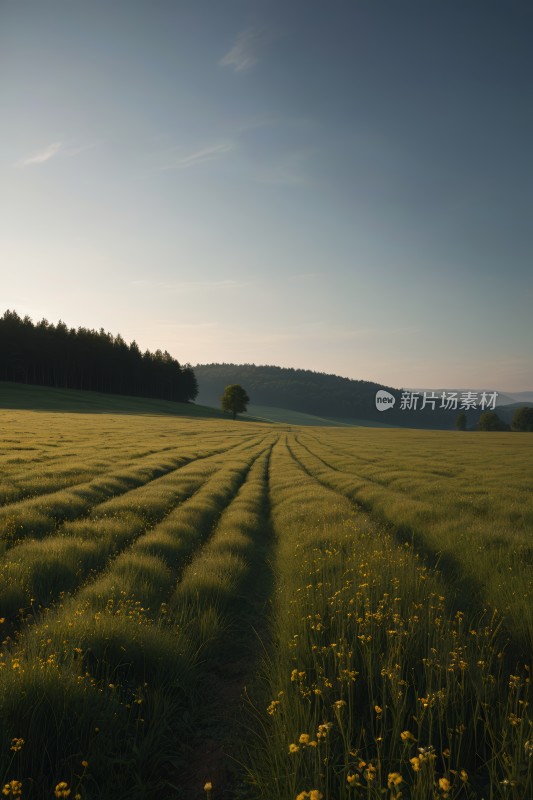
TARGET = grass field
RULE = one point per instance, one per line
(281, 613)
(289, 417)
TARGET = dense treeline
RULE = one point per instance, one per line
(317, 393)
(297, 389)
(54, 355)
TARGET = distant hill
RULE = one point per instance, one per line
(318, 394)
(522, 398)
(506, 413)
(503, 398)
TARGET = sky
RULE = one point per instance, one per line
(342, 186)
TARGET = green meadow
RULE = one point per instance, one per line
(193, 607)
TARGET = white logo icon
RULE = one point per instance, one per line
(384, 400)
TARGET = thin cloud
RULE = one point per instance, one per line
(42, 156)
(75, 150)
(249, 46)
(198, 156)
(289, 169)
(297, 276)
(191, 285)
(206, 154)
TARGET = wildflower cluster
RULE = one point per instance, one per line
(376, 653)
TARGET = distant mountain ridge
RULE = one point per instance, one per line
(319, 394)
(503, 399)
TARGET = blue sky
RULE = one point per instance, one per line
(343, 186)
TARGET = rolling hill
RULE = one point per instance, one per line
(43, 398)
(328, 397)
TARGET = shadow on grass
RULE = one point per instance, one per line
(230, 663)
(466, 591)
(25, 397)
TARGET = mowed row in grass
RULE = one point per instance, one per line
(149, 587)
(463, 499)
(107, 675)
(375, 685)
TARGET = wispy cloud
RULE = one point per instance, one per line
(200, 156)
(75, 150)
(205, 154)
(43, 155)
(289, 169)
(191, 285)
(249, 46)
(298, 276)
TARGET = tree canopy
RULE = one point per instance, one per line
(54, 355)
(460, 422)
(523, 419)
(490, 421)
(234, 399)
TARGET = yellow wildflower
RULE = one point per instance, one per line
(444, 784)
(394, 779)
(293, 748)
(314, 794)
(463, 775)
(323, 730)
(12, 789)
(304, 738)
(62, 789)
(16, 744)
(273, 707)
(405, 736)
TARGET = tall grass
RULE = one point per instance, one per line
(372, 688)
(386, 670)
(34, 572)
(474, 522)
(116, 638)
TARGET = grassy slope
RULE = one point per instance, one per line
(290, 417)
(42, 398)
(287, 416)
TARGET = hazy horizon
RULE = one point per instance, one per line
(346, 188)
(501, 390)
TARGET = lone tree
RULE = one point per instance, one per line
(460, 422)
(523, 419)
(490, 421)
(234, 399)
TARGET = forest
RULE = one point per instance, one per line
(317, 393)
(55, 355)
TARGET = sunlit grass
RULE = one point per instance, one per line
(372, 674)
(147, 561)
